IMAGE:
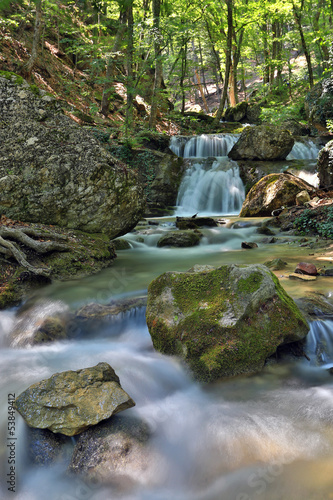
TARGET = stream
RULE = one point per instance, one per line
(267, 436)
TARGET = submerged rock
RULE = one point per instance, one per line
(44, 447)
(249, 244)
(70, 402)
(222, 321)
(273, 192)
(54, 172)
(276, 264)
(180, 239)
(195, 222)
(116, 451)
(263, 142)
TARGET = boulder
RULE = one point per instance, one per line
(117, 451)
(295, 128)
(302, 198)
(44, 447)
(52, 171)
(315, 304)
(306, 268)
(318, 103)
(276, 264)
(325, 166)
(70, 402)
(236, 113)
(273, 192)
(263, 142)
(222, 321)
(180, 239)
(253, 112)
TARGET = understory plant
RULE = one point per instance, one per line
(315, 222)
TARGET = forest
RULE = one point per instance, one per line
(147, 59)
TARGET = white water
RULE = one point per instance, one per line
(215, 187)
(213, 191)
(242, 439)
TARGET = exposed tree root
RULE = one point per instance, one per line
(10, 248)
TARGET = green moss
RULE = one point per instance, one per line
(13, 77)
(35, 90)
(250, 284)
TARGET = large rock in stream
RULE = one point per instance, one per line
(54, 172)
(263, 142)
(272, 192)
(222, 321)
(70, 402)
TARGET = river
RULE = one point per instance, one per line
(268, 436)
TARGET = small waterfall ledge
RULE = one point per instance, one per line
(212, 184)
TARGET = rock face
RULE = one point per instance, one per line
(71, 401)
(325, 165)
(273, 192)
(318, 103)
(222, 321)
(263, 142)
(54, 172)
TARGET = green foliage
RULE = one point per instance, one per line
(279, 112)
(312, 222)
(329, 125)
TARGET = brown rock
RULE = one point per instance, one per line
(302, 198)
(302, 277)
(249, 244)
(306, 268)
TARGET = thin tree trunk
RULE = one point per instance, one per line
(35, 42)
(130, 79)
(158, 64)
(227, 64)
(298, 19)
(111, 65)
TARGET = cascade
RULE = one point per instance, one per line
(319, 342)
(215, 187)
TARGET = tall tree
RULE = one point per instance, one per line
(158, 63)
(36, 38)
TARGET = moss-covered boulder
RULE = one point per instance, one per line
(70, 402)
(222, 321)
(272, 192)
(325, 166)
(263, 142)
(180, 239)
(236, 113)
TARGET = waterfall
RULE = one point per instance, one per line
(319, 343)
(203, 145)
(212, 189)
(304, 150)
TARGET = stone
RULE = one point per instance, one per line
(180, 239)
(325, 166)
(276, 264)
(70, 402)
(222, 321)
(121, 244)
(249, 244)
(118, 451)
(56, 172)
(195, 222)
(264, 229)
(302, 277)
(318, 103)
(295, 128)
(329, 272)
(236, 113)
(306, 268)
(273, 192)
(253, 112)
(45, 447)
(315, 304)
(302, 198)
(262, 142)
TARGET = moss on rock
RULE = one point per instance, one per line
(222, 321)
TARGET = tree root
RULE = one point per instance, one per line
(12, 249)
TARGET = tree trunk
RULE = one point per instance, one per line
(130, 79)
(298, 19)
(111, 65)
(35, 42)
(227, 64)
(158, 64)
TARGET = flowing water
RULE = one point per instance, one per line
(264, 437)
(212, 184)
